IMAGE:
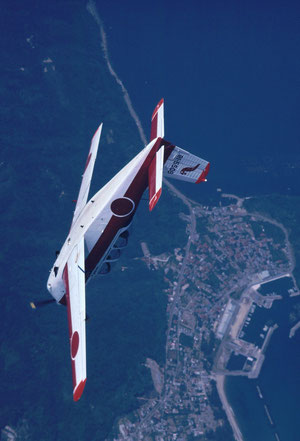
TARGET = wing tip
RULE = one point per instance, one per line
(99, 129)
(202, 177)
(79, 390)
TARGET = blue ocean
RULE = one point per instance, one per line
(278, 381)
(229, 74)
(230, 70)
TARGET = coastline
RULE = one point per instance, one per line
(240, 317)
(220, 380)
(79, 92)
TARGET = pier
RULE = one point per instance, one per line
(268, 337)
(294, 329)
(259, 392)
(268, 415)
(147, 255)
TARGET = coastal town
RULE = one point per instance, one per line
(213, 290)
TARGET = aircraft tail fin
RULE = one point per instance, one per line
(171, 161)
(155, 174)
(157, 121)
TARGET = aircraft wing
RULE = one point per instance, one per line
(87, 174)
(74, 279)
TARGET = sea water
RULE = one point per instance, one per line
(229, 82)
(228, 77)
(278, 381)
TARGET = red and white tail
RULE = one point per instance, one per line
(157, 121)
(155, 174)
(170, 160)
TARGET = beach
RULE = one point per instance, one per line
(227, 408)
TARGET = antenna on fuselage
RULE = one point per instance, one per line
(41, 303)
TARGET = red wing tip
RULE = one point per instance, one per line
(97, 130)
(157, 108)
(203, 174)
(78, 391)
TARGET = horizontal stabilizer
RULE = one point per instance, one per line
(87, 175)
(155, 174)
(157, 121)
(184, 166)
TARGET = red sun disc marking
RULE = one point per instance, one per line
(74, 344)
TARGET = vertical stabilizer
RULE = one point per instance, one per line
(155, 174)
(157, 121)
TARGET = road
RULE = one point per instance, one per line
(175, 302)
(187, 251)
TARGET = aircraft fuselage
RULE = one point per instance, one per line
(105, 217)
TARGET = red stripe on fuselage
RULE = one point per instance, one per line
(104, 241)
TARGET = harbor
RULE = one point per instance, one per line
(275, 377)
(243, 346)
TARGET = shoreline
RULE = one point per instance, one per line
(220, 380)
(271, 279)
(244, 308)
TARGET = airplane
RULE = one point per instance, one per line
(99, 229)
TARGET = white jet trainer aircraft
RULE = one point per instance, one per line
(99, 226)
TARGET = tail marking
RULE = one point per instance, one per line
(188, 169)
